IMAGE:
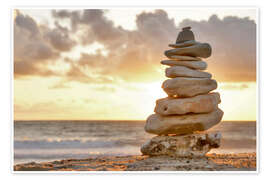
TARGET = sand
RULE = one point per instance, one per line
(211, 162)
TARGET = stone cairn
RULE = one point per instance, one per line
(190, 107)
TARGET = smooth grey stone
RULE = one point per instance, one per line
(198, 50)
(185, 58)
(182, 71)
(188, 87)
(198, 104)
(200, 65)
(182, 124)
(184, 44)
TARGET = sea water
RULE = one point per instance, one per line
(54, 140)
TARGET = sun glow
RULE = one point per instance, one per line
(77, 90)
(76, 52)
(238, 101)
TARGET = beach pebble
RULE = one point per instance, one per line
(184, 44)
(184, 58)
(201, 65)
(192, 145)
(188, 87)
(198, 104)
(182, 71)
(198, 50)
(182, 124)
(185, 35)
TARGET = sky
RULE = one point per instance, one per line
(99, 64)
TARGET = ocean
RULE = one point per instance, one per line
(54, 140)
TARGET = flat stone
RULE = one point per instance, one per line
(198, 50)
(184, 44)
(201, 65)
(199, 104)
(182, 124)
(191, 145)
(182, 71)
(188, 87)
(184, 58)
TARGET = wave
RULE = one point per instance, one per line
(98, 143)
(65, 144)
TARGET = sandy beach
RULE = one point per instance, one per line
(211, 162)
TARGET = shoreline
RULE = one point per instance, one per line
(211, 162)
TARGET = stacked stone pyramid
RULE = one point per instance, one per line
(181, 119)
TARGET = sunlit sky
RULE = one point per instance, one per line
(104, 64)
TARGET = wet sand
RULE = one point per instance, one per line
(211, 162)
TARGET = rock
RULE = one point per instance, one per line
(198, 50)
(182, 71)
(188, 87)
(201, 65)
(182, 124)
(185, 58)
(199, 104)
(210, 162)
(192, 145)
(184, 44)
(185, 35)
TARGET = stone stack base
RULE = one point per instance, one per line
(191, 145)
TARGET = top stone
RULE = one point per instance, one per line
(186, 28)
(185, 35)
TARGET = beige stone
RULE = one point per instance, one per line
(182, 71)
(191, 145)
(201, 65)
(185, 58)
(184, 44)
(198, 50)
(182, 124)
(199, 104)
(188, 87)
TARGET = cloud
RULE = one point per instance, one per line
(132, 55)
(135, 55)
(27, 23)
(28, 42)
(36, 45)
(233, 42)
(65, 14)
(94, 24)
(156, 29)
(79, 73)
(59, 38)
(25, 68)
